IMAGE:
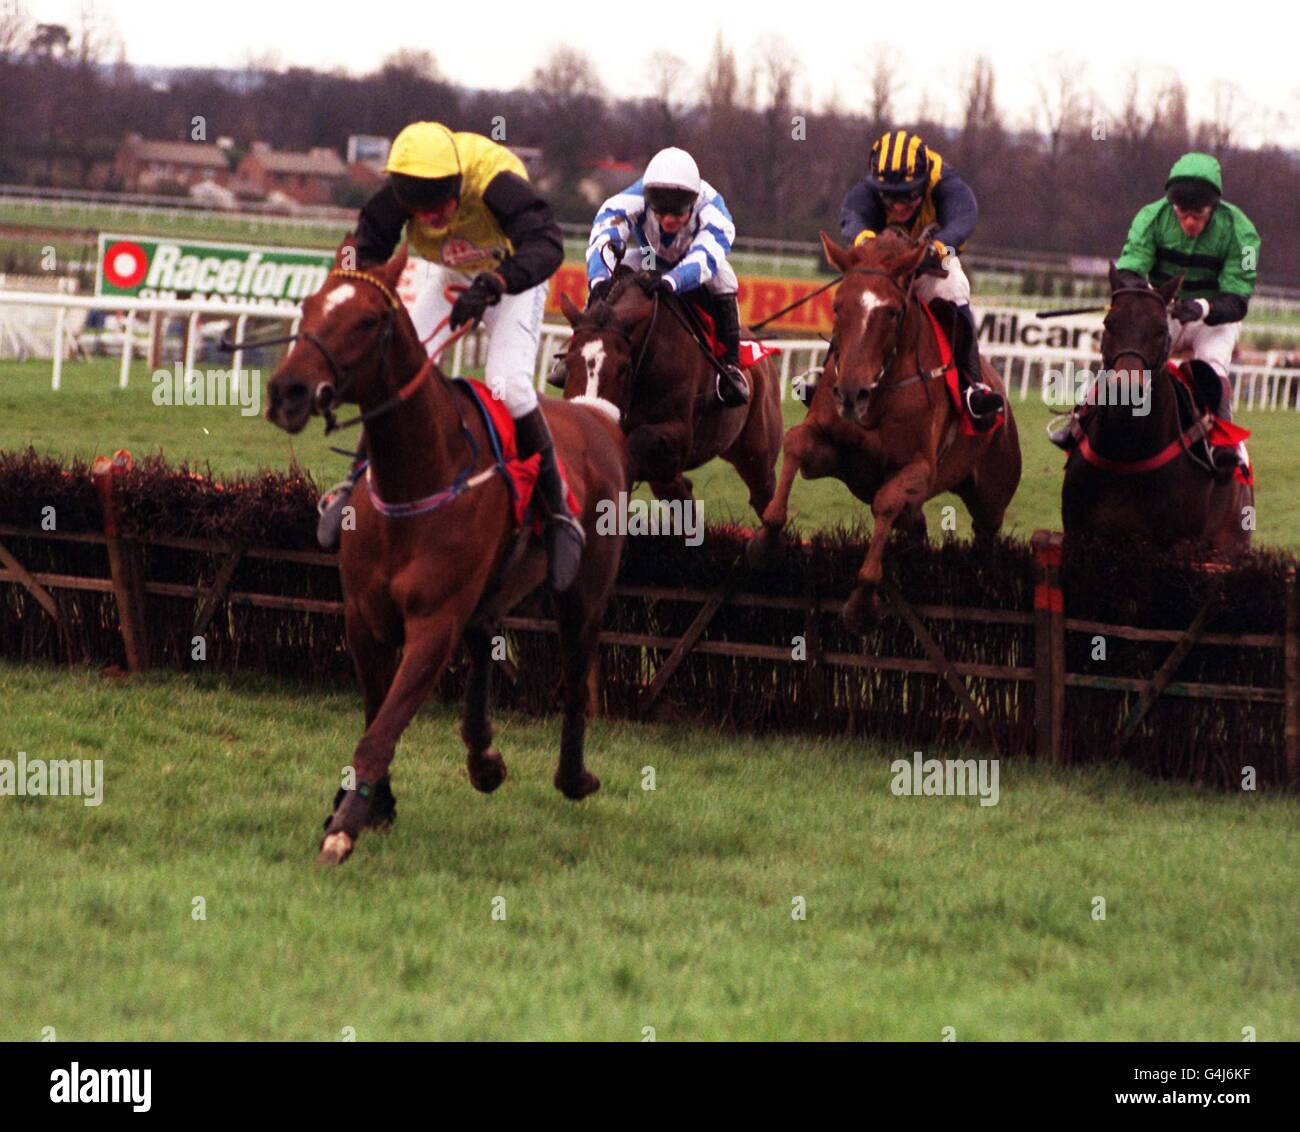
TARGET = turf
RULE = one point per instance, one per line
(91, 415)
(669, 908)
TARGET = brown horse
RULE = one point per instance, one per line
(1132, 473)
(636, 358)
(421, 583)
(881, 419)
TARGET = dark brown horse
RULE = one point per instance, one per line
(881, 419)
(1132, 473)
(417, 585)
(634, 357)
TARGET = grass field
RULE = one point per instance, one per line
(669, 908)
(91, 415)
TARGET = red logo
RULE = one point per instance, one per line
(456, 250)
(125, 264)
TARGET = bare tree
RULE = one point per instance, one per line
(667, 73)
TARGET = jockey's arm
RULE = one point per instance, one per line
(1139, 255)
(1237, 278)
(710, 247)
(861, 212)
(955, 208)
(613, 223)
(379, 226)
(528, 222)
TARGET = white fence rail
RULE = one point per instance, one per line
(1022, 367)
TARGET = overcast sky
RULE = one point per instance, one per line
(1250, 43)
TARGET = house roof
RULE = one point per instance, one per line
(319, 162)
(178, 153)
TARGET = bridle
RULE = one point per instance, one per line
(907, 294)
(1168, 339)
(343, 380)
(637, 352)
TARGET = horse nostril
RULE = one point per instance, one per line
(324, 396)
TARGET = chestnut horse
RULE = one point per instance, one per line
(1132, 474)
(881, 419)
(420, 583)
(643, 366)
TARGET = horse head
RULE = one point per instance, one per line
(870, 310)
(1136, 326)
(353, 339)
(608, 339)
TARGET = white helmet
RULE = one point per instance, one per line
(672, 168)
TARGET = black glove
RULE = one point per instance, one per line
(1187, 310)
(653, 284)
(470, 304)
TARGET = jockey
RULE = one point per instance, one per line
(671, 219)
(1190, 229)
(473, 219)
(907, 185)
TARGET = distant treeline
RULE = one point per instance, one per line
(1071, 184)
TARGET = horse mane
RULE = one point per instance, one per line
(600, 315)
(888, 250)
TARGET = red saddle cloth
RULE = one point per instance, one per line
(522, 474)
(751, 351)
(953, 382)
(1222, 434)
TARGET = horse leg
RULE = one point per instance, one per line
(579, 620)
(487, 769)
(429, 643)
(804, 445)
(909, 488)
(374, 662)
(679, 488)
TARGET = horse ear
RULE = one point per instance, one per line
(392, 270)
(839, 258)
(1169, 290)
(569, 310)
(1115, 281)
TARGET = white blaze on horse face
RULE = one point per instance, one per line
(593, 353)
(870, 301)
(337, 297)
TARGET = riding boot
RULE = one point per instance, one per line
(1217, 393)
(334, 502)
(981, 400)
(733, 390)
(564, 535)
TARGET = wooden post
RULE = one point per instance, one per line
(124, 562)
(1292, 679)
(1049, 646)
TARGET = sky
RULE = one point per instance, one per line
(1249, 43)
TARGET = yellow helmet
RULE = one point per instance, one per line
(424, 165)
(424, 149)
(899, 163)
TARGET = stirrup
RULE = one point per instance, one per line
(732, 379)
(1060, 431)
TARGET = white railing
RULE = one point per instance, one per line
(1022, 367)
(63, 305)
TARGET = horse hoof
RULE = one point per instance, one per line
(861, 611)
(586, 783)
(487, 772)
(335, 849)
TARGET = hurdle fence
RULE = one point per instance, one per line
(1198, 676)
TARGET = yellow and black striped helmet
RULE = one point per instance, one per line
(899, 163)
